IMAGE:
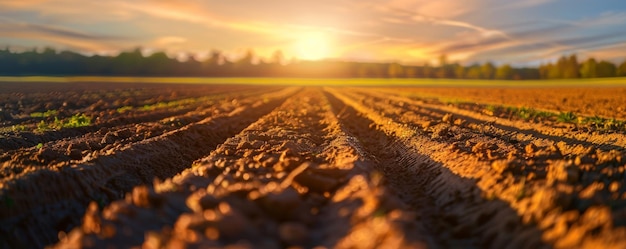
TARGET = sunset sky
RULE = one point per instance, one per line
(408, 31)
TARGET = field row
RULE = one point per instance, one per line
(333, 167)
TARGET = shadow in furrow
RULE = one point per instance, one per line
(528, 132)
(449, 206)
(34, 222)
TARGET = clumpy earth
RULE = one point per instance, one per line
(303, 167)
(606, 101)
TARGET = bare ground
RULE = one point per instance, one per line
(311, 167)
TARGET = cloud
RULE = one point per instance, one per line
(169, 40)
(523, 4)
(441, 8)
(74, 39)
(421, 18)
(174, 10)
(483, 31)
(21, 4)
(615, 52)
(407, 29)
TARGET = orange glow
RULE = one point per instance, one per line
(312, 46)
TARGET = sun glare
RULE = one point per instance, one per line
(312, 46)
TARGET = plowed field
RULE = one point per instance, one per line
(216, 166)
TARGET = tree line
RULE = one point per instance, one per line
(133, 63)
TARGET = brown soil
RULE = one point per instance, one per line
(320, 168)
(607, 102)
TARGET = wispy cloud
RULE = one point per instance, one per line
(516, 5)
(422, 18)
(411, 30)
(72, 38)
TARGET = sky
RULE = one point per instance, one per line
(518, 32)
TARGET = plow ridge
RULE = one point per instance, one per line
(313, 167)
(105, 177)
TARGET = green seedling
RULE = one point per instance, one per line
(491, 108)
(124, 109)
(48, 113)
(596, 121)
(18, 128)
(78, 120)
(566, 117)
(42, 126)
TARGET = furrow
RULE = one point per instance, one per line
(554, 199)
(294, 178)
(557, 133)
(104, 178)
(452, 205)
(71, 150)
(109, 119)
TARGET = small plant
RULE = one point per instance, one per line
(78, 120)
(124, 109)
(541, 114)
(492, 108)
(525, 113)
(42, 126)
(566, 117)
(39, 145)
(18, 128)
(596, 121)
(48, 113)
(614, 124)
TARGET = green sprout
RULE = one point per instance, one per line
(566, 117)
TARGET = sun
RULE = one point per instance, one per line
(312, 46)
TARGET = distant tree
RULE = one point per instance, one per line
(411, 72)
(190, 67)
(157, 64)
(215, 59)
(459, 71)
(428, 71)
(554, 71)
(487, 71)
(445, 70)
(588, 69)
(566, 67)
(543, 71)
(571, 68)
(247, 59)
(504, 72)
(606, 69)
(278, 58)
(526, 73)
(128, 63)
(443, 60)
(395, 70)
(621, 70)
(48, 61)
(372, 70)
(474, 72)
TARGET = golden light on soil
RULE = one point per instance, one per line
(312, 46)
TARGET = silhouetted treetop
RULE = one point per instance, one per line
(48, 61)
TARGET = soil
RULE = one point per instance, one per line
(285, 167)
(607, 102)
